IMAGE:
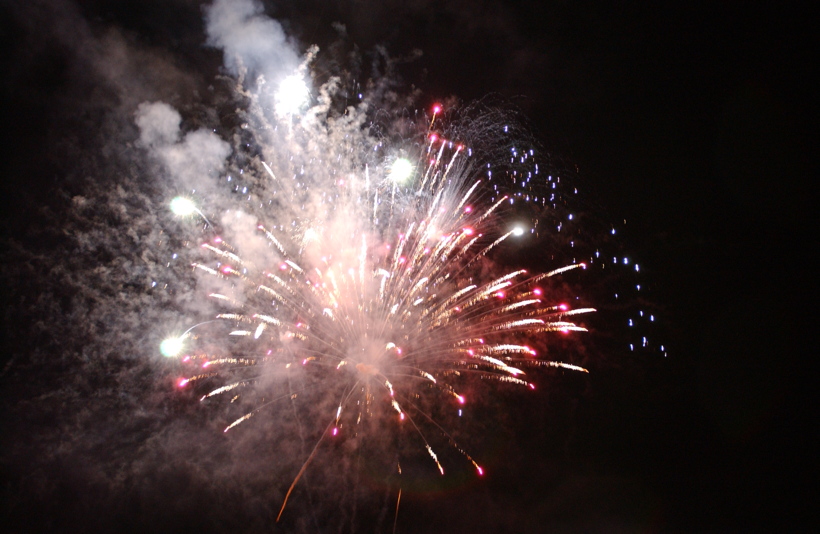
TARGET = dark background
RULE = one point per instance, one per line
(696, 123)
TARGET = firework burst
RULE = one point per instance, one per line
(383, 298)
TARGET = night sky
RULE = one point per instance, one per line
(694, 124)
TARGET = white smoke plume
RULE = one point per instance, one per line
(252, 42)
(194, 161)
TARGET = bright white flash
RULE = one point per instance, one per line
(293, 94)
(518, 231)
(311, 236)
(182, 206)
(401, 170)
(171, 347)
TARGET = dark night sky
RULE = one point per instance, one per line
(695, 123)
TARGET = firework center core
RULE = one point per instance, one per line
(370, 354)
(366, 369)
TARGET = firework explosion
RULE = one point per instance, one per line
(348, 255)
(380, 298)
(330, 272)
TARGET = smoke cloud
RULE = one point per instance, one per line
(158, 123)
(251, 41)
